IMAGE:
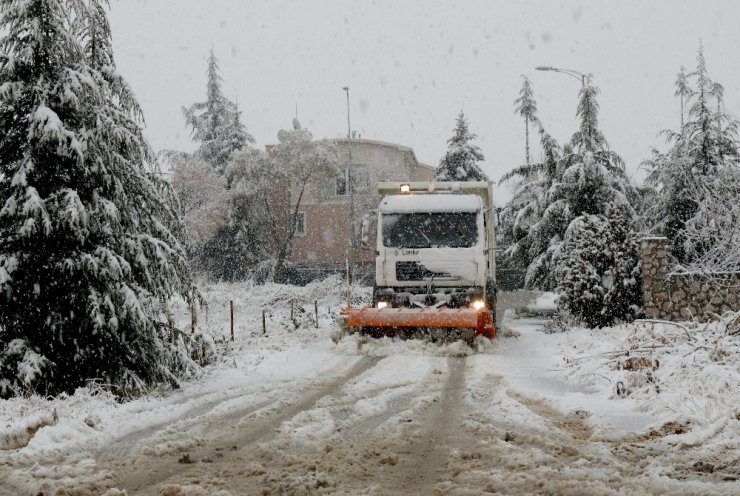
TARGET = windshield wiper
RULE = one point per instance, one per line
(429, 241)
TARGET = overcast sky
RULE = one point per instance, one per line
(413, 65)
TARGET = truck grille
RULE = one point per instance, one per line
(413, 271)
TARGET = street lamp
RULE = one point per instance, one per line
(350, 191)
(349, 129)
(578, 75)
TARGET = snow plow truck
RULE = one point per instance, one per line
(435, 263)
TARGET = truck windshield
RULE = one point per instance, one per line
(424, 230)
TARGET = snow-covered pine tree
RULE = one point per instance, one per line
(707, 142)
(517, 215)
(593, 178)
(683, 91)
(593, 175)
(582, 178)
(89, 239)
(623, 280)
(216, 123)
(580, 269)
(526, 106)
(528, 225)
(598, 269)
(460, 163)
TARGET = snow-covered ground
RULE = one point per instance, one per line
(645, 408)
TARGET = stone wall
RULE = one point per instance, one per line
(679, 297)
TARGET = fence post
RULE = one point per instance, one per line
(264, 323)
(316, 312)
(231, 311)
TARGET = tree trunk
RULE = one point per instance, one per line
(281, 274)
(526, 137)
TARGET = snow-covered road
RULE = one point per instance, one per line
(292, 413)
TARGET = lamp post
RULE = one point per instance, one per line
(350, 191)
(578, 75)
(570, 72)
(349, 128)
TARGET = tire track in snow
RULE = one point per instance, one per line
(369, 424)
(122, 447)
(230, 439)
(344, 412)
(418, 467)
(573, 424)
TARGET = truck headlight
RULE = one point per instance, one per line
(383, 304)
(477, 304)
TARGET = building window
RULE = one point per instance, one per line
(342, 183)
(300, 224)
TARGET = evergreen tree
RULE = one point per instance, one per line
(216, 123)
(598, 269)
(582, 178)
(527, 225)
(683, 91)
(89, 235)
(460, 163)
(593, 175)
(593, 178)
(706, 143)
(526, 106)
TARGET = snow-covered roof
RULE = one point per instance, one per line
(401, 148)
(430, 203)
(363, 141)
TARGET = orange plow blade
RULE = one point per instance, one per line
(481, 321)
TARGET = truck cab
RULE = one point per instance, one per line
(435, 246)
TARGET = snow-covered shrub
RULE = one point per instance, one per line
(599, 270)
(202, 348)
(711, 238)
(560, 322)
(21, 368)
